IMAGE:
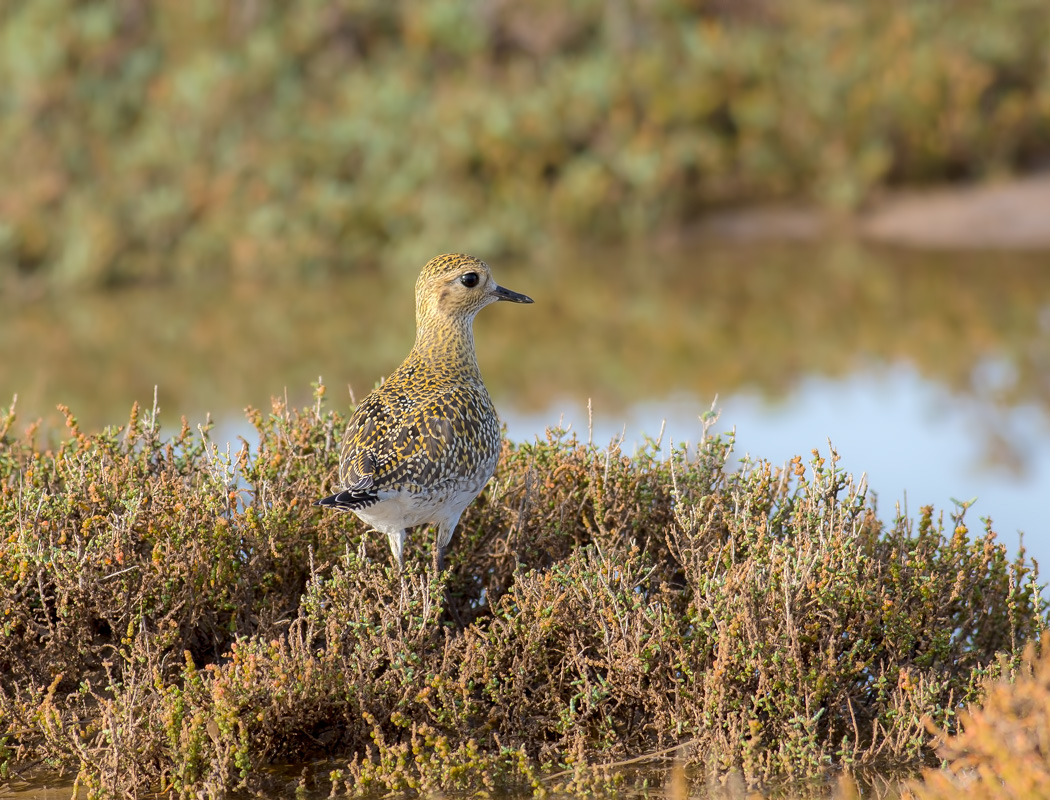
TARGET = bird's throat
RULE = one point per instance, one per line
(447, 346)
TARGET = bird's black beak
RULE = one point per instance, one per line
(513, 297)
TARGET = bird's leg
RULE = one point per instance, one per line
(439, 560)
(444, 535)
(397, 546)
(397, 538)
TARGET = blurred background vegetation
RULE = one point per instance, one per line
(146, 142)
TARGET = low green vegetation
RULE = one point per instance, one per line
(177, 616)
(150, 141)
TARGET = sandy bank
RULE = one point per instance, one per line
(1006, 215)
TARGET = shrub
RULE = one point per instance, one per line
(1002, 746)
(176, 617)
(151, 141)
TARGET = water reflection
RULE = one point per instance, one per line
(929, 371)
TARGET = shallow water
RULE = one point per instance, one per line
(931, 372)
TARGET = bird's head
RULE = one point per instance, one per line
(456, 286)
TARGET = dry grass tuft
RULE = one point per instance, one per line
(1002, 748)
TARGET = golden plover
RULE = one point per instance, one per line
(421, 447)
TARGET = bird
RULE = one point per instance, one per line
(422, 445)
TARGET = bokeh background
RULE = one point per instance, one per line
(226, 201)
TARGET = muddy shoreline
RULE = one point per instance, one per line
(1011, 214)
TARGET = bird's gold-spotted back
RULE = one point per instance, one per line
(420, 430)
(422, 445)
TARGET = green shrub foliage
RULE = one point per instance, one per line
(141, 141)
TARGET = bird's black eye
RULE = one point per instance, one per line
(470, 280)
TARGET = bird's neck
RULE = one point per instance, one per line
(447, 346)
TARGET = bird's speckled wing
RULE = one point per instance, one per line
(402, 444)
(370, 423)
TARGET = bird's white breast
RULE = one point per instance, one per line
(404, 508)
